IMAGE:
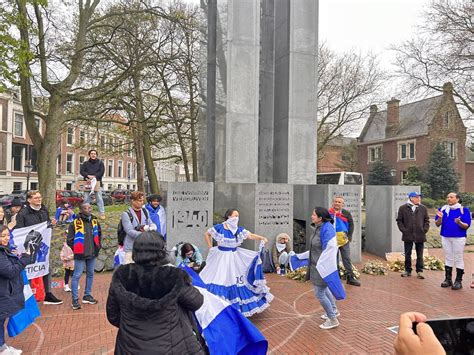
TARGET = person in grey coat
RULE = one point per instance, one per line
(413, 221)
(135, 221)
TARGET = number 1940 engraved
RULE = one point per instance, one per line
(190, 219)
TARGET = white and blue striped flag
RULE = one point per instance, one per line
(225, 329)
(21, 320)
(327, 267)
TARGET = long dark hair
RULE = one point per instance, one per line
(324, 214)
(150, 248)
(186, 248)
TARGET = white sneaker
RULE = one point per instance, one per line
(67, 288)
(10, 350)
(325, 316)
(329, 324)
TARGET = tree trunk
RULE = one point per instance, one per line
(138, 147)
(150, 167)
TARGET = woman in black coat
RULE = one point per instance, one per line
(151, 302)
(11, 284)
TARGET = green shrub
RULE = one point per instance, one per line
(428, 202)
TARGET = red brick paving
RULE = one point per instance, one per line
(291, 324)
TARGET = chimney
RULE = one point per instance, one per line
(393, 112)
(448, 88)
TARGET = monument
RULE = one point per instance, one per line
(381, 231)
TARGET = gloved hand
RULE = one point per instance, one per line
(146, 227)
(153, 227)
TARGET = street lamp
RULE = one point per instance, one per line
(28, 168)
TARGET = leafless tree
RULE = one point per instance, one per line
(443, 51)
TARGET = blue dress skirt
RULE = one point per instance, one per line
(235, 274)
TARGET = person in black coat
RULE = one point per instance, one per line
(414, 222)
(12, 299)
(151, 302)
(33, 213)
(90, 169)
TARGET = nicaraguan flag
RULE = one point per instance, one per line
(225, 329)
(327, 264)
(299, 260)
(20, 321)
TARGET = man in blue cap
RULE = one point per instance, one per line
(414, 222)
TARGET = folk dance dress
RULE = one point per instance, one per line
(235, 274)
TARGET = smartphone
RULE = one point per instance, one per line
(456, 335)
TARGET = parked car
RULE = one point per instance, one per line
(121, 196)
(6, 200)
(106, 197)
(71, 197)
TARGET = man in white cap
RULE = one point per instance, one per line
(414, 222)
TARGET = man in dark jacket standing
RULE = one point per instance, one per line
(33, 213)
(414, 222)
(84, 238)
(94, 169)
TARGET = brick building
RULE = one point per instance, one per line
(17, 152)
(336, 155)
(404, 135)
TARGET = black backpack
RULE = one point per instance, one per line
(121, 234)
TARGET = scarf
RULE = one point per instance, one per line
(280, 247)
(447, 208)
(412, 205)
(232, 224)
(78, 244)
(35, 208)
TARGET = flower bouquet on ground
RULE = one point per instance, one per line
(298, 274)
(342, 272)
(375, 267)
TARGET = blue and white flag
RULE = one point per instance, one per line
(21, 320)
(327, 267)
(41, 265)
(225, 329)
(298, 260)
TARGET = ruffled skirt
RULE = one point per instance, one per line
(236, 275)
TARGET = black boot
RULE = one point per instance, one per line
(448, 281)
(457, 283)
(351, 280)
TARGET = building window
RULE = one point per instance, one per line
(406, 150)
(109, 187)
(110, 168)
(58, 170)
(446, 119)
(129, 150)
(451, 149)
(69, 163)
(18, 125)
(33, 185)
(82, 137)
(120, 168)
(375, 153)
(403, 175)
(129, 171)
(82, 159)
(18, 152)
(68, 186)
(17, 185)
(70, 136)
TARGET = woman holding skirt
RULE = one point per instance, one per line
(233, 273)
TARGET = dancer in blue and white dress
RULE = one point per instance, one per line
(233, 273)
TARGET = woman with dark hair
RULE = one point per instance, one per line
(233, 273)
(322, 269)
(150, 302)
(11, 285)
(189, 255)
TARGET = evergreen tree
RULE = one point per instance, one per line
(379, 174)
(440, 173)
(414, 177)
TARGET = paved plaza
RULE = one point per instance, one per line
(291, 324)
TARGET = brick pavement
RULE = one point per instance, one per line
(291, 324)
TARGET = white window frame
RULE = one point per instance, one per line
(120, 169)
(15, 114)
(72, 136)
(375, 148)
(451, 146)
(110, 166)
(407, 150)
(403, 175)
(71, 171)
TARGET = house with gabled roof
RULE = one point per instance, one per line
(404, 135)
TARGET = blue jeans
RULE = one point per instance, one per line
(78, 270)
(2, 331)
(98, 198)
(327, 300)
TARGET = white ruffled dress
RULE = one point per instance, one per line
(235, 274)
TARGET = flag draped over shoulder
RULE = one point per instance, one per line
(224, 328)
(21, 320)
(327, 262)
(299, 260)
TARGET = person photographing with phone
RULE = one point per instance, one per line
(454, 220)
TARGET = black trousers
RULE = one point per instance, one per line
(419, 256)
